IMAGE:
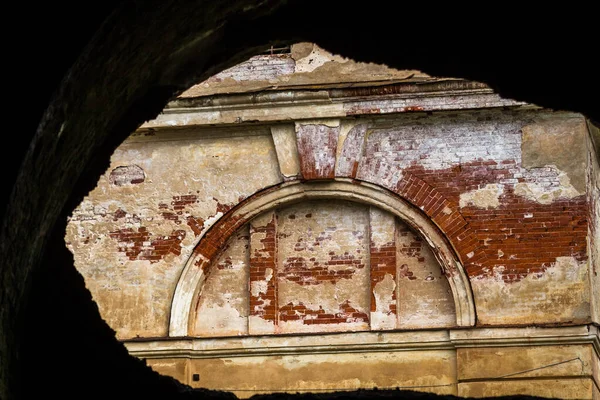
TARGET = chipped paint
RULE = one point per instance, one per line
(384, 293)
(263, 295)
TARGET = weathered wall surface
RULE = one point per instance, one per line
(223, 305)
(305, 65)
(518, 222)
(424, 295)
(133, 234)
(567, 371)
(433, 371)
(510, 222)
(594, 219)
(321, 266)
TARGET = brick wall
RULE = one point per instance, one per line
(519, 227)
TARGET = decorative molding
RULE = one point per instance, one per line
(288, 105)
(359, 342)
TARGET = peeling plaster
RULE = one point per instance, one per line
(315, 59)
(547, 193)
(486, 197)
(382, 317)
(558, 293)
(559, 142)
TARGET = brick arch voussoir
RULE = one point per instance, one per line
(446, 215)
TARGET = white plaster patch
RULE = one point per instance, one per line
(486, 197)
(382, 318)
(383, 292)
(383, 226)
(547, 192)
(300, 327)
(268, 274)
(258, 287)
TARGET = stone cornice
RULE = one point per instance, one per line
(286, 105)
(360, 342)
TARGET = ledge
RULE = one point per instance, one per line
(287, 105)
(354, 342)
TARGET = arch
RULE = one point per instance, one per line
(196, 268)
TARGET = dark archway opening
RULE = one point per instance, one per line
(54, 342)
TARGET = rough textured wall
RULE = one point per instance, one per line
(594, 219)
(320, 266)
(510, 221)
(424, 296)
(518, 222)
(323, 267)
(570, 374)
(224, 301)
(306, 64)
(430, 371)
(132, 235)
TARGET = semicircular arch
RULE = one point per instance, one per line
(197, 266)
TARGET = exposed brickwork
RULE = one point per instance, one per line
(196, 224)
(296, 269)
(317, 147)
(323, 259)
(346, 314)
(263, 267)
(180, 202)
(137, 245)
(511, 235)
(352, 149)
(258, 68)
(130, 174)
(432, 166)
(383, 262)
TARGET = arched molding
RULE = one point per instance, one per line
(195, 271)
